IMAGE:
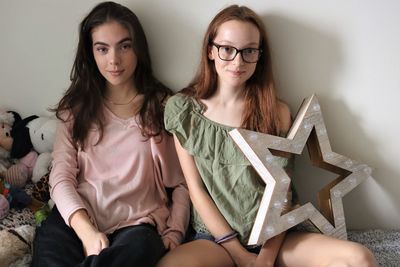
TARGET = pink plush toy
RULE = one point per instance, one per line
(16, 140)
(6, 122)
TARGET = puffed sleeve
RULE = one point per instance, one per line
(177, 117)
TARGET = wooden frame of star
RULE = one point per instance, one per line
(308, 128)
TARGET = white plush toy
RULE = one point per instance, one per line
(42, 132)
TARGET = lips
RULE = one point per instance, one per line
(237, 73)
(116, 72)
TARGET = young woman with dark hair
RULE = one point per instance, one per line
(120, 196)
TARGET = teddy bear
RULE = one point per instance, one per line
(42, 132)
(16, 244)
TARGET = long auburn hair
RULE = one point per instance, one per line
(260, 111)
(85, 94)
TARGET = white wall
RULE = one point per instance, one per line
(346, 51)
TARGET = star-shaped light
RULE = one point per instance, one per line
(308, 128)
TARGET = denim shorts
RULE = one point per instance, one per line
(193, 235)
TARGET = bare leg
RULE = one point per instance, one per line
(311, 249)
(198, 253)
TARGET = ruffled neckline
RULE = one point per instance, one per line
(200, 108)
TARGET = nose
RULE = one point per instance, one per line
(238, 60)
(114, 59)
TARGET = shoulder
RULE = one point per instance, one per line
(178, 99)
(177, 103)
(177, 109)
(285, 119)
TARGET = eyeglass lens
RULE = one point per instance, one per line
(229, 53)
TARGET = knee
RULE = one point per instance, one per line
(355, 255)
(362, 256)
(172, 260)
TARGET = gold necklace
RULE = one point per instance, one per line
(122, 104)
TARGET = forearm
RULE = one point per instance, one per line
(93, 240)
(270, 250)
(65, 196)
(179, 214)
(81, 223)
(219, 227)
(202, 202)
(209, 213)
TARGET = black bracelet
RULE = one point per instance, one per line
(226, 237)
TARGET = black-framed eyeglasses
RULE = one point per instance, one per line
(228, 53)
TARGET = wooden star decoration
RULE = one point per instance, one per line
(308, 128)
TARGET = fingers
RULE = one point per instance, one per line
(96, 245)
(169, 244)
(104, 242)
(172, 245)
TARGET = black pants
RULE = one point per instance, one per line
(56, 245)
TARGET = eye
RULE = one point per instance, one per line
(102, 49)
(42, 136)
(126, 46)
(227, 49)
(250, 51)
(2, 125)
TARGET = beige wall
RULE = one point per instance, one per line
(346, 51)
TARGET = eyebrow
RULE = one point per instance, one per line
(120, 42)
(228, 43)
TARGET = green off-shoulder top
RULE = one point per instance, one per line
(228, 176)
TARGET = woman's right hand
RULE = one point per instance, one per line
(94, 242)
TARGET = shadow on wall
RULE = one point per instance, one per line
(173, 42)
(373, 204)
(306, 61)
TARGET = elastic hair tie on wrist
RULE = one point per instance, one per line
(226, 237)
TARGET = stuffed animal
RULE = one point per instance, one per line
(42, 213)
(21, 149)
(40, 190)
(7, 119)
(16, 197)
(42, 131)
(4, 206)
(15, 244)
(5, 199)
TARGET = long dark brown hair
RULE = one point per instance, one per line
(85, 94)
(260, 111)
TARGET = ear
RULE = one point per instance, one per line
(210, 52)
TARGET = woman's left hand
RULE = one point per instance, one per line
(169, 244)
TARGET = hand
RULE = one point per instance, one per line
(245, 259)
(169, 244)
(94, 242)
(260, 262)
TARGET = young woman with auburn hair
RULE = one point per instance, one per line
(234, 87)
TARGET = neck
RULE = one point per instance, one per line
(228, 95)
(120, 95)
